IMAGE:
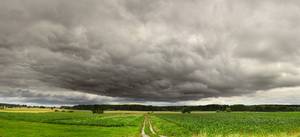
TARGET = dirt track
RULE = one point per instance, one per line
(150, 127)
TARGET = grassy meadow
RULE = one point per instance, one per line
(47, 123)
(69, 124)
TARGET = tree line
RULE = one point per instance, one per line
(135, 107)
(212, 107)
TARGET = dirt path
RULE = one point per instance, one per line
(152, 131)
(143, 129)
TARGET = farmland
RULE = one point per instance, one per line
(69, 124)
(228, 124)
(41, 123)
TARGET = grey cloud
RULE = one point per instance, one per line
(149, 50)
(53, 97)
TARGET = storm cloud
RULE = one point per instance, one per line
(147, 50)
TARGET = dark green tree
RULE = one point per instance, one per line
(98, 110)
(228, 109)
(186, 110)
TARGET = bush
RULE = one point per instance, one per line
(186, 110)
(56, 110)
(98, 111)
(71, 111)
(228, 109)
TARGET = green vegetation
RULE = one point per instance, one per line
(75, 123)
(170, 129)
(228, 109)
(186, 110)
(228, 124)
(66, 124)
(98, 111)
(11, 128)
(212, 107)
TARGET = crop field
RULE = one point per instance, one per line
(228, 124)
(143, 124)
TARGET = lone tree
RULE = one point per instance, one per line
(98, 110)
(228, 109)
(186, 110)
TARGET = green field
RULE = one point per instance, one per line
(67, 124)
(131, 124)
(228, 124)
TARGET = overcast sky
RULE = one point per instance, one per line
(160, 52)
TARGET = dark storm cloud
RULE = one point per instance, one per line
(148, 50)
(53, 97)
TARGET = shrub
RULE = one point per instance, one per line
(98, 111)
(228, 109)
(186, 110)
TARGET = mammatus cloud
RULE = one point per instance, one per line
(166, 51)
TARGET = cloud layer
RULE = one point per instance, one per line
(167, 50)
